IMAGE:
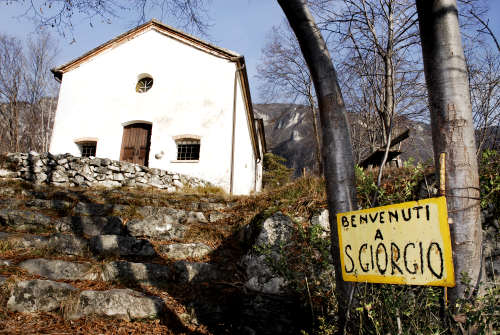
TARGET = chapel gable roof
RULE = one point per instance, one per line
(151, 25)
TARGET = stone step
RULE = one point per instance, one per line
(178, 251)
(24, 220)
(33, 296)
(104, 246)
(121, 246)
(157, 228)
(91, 225)
(69, 244)
(18, 241)
(93, 209)
(124, 272)
(53, 204)
(124, 304)
(60, 270)
(157, 222)
(194, 212)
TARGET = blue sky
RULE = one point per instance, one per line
(239, 25)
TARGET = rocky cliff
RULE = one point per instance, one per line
(289, 133)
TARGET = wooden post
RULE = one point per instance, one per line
(442, 192)
(442, 174)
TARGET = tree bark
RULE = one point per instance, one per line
(319, 161)
(337, 151)
(453, 133)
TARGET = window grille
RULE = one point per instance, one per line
(88, 149)
(188, 149)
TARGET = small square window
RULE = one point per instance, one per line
(88, 149)
(188, 149)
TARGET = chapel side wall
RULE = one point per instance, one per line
(259, 166)
(192, 94)
(59, 142)
(244, 157)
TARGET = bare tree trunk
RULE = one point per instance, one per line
(337, 150)
(389, 102)
(453, 133)
(314, 112)
(16, 127)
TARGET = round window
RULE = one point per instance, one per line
(144, 84)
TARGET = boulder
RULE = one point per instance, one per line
(59, 270)
(275, 231)
(115, 245)
(322, 219)
(32, 296)
(122, 304)
(274, 234)
(178, 251)
(91, 225)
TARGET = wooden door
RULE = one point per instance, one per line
(135, 143)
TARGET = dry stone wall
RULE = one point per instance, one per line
(67, 170)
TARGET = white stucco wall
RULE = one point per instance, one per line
(192, 94)
(259, 164)
(244, 164)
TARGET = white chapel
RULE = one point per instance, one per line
(158, 97)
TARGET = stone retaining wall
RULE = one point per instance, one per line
(67, 170)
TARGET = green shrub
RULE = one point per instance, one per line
(275, 171)
(398, 185)
(489, 178)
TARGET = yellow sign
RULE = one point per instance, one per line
(407, 243)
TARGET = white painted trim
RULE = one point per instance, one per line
(128, 123)
(85, 139)
(191, 136)
(185, 161)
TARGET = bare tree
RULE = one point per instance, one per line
(284, 73)
(27, 93)
(11, 82)
(189, 14)
(379, 39)
(453, 133)
(484, 78)
(40, 90)
(473, 14)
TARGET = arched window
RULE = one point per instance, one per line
(144, 83)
